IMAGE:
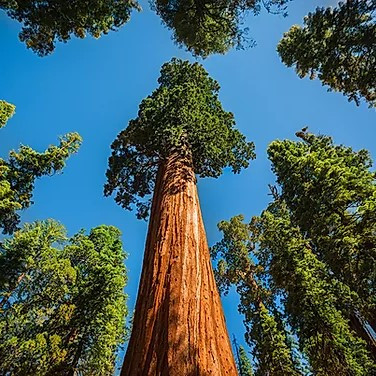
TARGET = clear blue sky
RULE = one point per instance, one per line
(94, 87)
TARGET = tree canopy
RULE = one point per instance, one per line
(6, 112)
(337, 45)
(46, 22)
(62, 305)
(331, 193)
(182, 116)
(19, 172)
(210, 26)
(264, 332)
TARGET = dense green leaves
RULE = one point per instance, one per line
(264, 333)
(45, 22)
(338, 45)
(18, 174)
(62, 305)
(313, 297)
(331, 193)
(182, 116)
(210, 26)
(6, 112)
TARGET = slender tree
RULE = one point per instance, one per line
(337, 45)
(331, 193)
(19, 172)
(181, 130)
(6, 112)
(242, 361)
(313, 297)
(62, 306)
(236, 267)
(210, 26)
(46, 22)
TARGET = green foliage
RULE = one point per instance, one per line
(210, 26)
(312, 296)
(62, 306)
(331, 194)
(6, 112)
(45, 22)
(235, 267)
(337, 45)
(182, 116)
(244, 364)
(18, 174)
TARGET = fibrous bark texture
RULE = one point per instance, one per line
(179, 327)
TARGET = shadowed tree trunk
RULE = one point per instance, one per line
(179, 327)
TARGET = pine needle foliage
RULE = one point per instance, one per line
(62, 305)
(19, 172)
(184, 117)
(263, 332)
(211, 26)
(337, 45)
(312, 296)
(46, 22)
(6, 112)
(331, 193)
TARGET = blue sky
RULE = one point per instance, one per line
(94, 87)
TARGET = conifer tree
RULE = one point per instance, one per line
(46, 22)
(181, 130)
(331, 193)
(210, 26)
(19, 172)
(243, 363)
(337, 45)
(313, 297)
(6, 112)
(236, 267)
(62, 305)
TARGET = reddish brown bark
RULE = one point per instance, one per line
(179, 327)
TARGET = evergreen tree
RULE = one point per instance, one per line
(236, 267)
(62, 302)
(313, 297)
(6, 112)
(181, 130)
(331, 193)
(45, 22)
(19, 172)
(210, 26)
(338, 45)
(243, 363)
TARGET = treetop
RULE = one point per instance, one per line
(185, 116)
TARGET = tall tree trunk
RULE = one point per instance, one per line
(179, 327)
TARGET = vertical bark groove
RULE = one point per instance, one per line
(179, 327)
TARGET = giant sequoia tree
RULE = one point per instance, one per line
(181, 130)
(210, 26)
(45, 22)
(62, 305)
(338, 45)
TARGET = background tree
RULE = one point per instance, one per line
(19, 172)
(181, 130)
(338, 45)
(62, 302)
(210, 26)
(314, 299)
(331, 193)
(45, 22)
(264, 333)
(243, 363)
(6, 112)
